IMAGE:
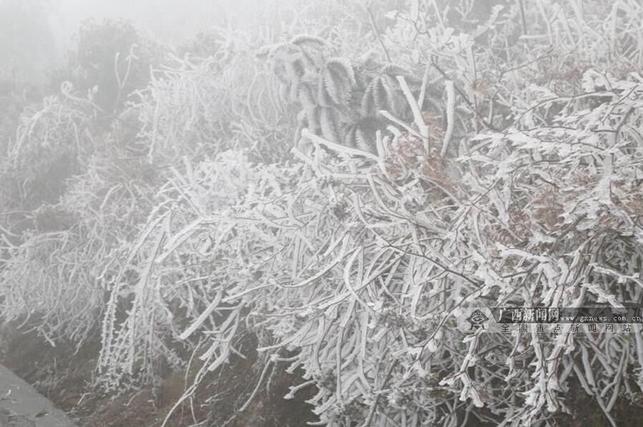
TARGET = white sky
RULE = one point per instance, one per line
(167, 20)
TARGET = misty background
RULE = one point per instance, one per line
(35, 35)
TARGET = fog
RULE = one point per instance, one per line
(168, 20)
(47, 27)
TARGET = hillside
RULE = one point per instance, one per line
(317, 219)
